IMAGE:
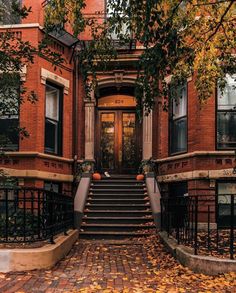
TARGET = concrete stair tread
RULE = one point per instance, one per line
(138, 185)
(117, 225)
(117, 218)
(117, 205)
(140, 189)
(116, 199)
(117, 211)
(118, 181)
(113, 233)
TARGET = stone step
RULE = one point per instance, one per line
(118, 187)
(106, 207)
(117, 220)
(112, 235)
(125, 201)
(116, 227)
(118, 181)
(117, 191)
(113, 193)
(118, 213)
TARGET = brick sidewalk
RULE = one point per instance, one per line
(115, 267)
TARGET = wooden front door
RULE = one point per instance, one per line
(118, 149)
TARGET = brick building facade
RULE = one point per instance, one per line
(193, 144)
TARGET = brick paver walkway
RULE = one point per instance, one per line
(115, 267)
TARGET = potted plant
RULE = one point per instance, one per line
(147, 166)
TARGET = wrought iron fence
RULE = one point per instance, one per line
(30, 214)
(207, 223)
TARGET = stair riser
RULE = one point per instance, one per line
(117, 196)
(114, 207)
(115, 229)
(112, 237)
(117, 191)
(119, 201)
(117, 214)
(113, 186)
(117, 221)
(118, 182)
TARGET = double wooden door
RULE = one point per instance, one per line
(118, 141)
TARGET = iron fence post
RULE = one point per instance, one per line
(208, 227)
(232, 226)
(196, 227)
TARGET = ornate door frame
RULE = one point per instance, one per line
(90, 106)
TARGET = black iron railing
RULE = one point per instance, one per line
(30, 215)
(206, 223)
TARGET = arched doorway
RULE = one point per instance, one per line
(118, 132)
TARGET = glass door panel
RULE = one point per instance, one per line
(128, 140)
(107, 146)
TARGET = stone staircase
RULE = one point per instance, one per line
(117, 207)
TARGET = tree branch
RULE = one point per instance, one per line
(221, 20)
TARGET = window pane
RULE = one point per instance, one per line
(179, 102)
(52, 103)
(9, 95)
(51, 136)
(108, 140)
(226, 125)
(227, 99)
(123, 25)
(9, 136)
(6, 13)
(179, 136)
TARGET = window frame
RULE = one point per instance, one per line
(171, 123)
(59, 123)
(14, 117)
(217, 147)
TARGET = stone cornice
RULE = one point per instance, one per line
(38, 155)
(195, 154)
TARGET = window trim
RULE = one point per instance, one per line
(171, 120)
(216, 121)
(59, 122)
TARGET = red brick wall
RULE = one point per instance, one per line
(201, 125)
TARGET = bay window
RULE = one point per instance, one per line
(53, 120)
(178, 120)
(226, 115)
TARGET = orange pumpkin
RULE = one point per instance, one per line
(97, 176)
(140, 177)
